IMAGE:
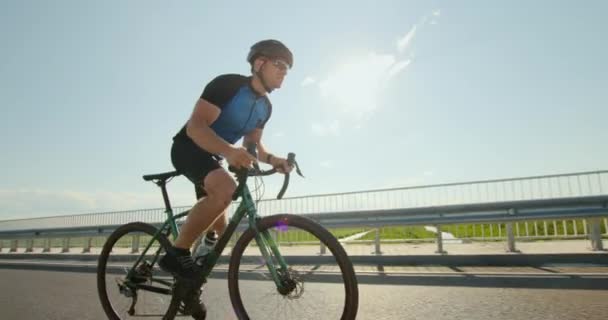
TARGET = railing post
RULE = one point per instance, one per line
(377, 250)
(66, 245)
(439, 241)
(510, 238)
(47, 245)
(87, 245)
(29, 245)
(596, 234)
(323, 249)
(585, 231)
(14, 244)
(509, 231)
(555, 234)
(135, 244)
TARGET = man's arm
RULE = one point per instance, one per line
(198, 128)
(264, 155)
(256, 137)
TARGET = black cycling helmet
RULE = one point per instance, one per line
(272, 49)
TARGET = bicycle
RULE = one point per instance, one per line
(119, 277)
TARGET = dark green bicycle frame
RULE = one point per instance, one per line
(246, 208)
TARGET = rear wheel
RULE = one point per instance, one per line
(145, 292)
(322, 287)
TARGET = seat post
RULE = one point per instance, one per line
(162, 185)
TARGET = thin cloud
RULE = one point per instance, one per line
(326, 164)
(435, 16)
(323, 130)
(27, 203)
(405, 41)
(308, 81)
(279, 134)
(404, 182)
(424, 178)
(398, 67)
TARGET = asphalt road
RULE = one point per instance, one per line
(32, 294)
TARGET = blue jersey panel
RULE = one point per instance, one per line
(243, 113)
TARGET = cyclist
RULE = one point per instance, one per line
(231, 107)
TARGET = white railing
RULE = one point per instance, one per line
(487, 191)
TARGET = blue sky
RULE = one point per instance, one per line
(382, 94)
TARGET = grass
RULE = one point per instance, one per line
(394, 233)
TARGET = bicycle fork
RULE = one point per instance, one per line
(265, 241)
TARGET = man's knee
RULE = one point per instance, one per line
(220, 186)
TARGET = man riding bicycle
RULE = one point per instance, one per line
(231, 107)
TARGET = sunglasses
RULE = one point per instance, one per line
(280, 64)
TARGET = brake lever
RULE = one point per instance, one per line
(291, 159)
(298, 169)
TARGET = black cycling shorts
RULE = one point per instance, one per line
(194, 163)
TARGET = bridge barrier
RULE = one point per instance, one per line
(592, 210)
(523, 208)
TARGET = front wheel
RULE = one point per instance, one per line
(318, 283)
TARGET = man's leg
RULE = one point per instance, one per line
(220, 187)
(219, 226)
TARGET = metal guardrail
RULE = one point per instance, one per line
(590, 208)
(568, 196)
(573, 185)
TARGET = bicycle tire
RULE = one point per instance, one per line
(135, 227)
(351, 302)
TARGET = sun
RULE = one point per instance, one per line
(354, 87)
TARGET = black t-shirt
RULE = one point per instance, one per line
(242, 110)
